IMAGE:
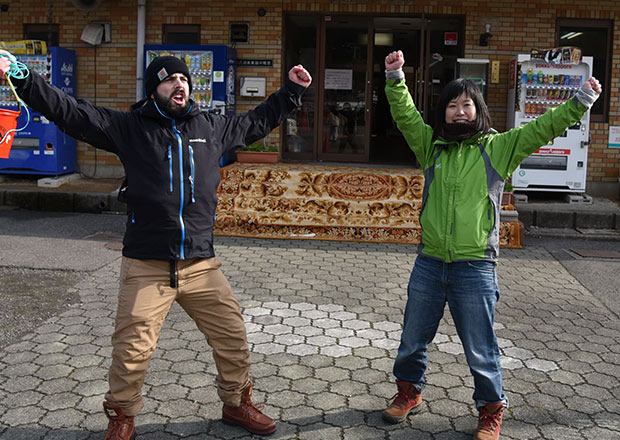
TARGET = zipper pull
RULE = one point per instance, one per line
(170, 165)
(191, 174)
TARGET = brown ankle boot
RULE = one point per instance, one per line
(407, 400)
(489, 421)
(248, 415)
(120, 426)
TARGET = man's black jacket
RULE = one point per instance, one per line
(171, 165)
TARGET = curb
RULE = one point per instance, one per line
(56, 201)
(569, 219)
(574, 233)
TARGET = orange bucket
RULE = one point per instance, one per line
(8, 121)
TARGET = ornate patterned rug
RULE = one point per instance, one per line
(326, 202)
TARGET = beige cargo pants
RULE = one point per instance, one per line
(145, 297)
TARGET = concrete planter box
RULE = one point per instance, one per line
(257, 156)
(508, 198)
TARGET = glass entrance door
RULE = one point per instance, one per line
(387, 144)
(345, 116)
(346, 81)
(431, 48)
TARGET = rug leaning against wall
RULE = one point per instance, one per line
(325, 202)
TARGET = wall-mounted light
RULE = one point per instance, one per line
(570, 35)
(485, 37)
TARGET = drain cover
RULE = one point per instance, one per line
(596, 253)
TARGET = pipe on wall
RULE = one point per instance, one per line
(140, 49)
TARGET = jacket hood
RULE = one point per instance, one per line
(146, 107)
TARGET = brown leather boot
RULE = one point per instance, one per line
(489, 421)
(248, 416)
(120, 426)
(407, 400)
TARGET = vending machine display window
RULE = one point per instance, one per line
(213, 71)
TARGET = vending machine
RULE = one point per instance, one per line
(536, 85)
(213, 70)
(42, 147)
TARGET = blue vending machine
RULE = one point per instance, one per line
(212, 68)
(42, 147)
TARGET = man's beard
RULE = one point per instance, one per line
(168, 106)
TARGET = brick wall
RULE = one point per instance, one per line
(516, 27)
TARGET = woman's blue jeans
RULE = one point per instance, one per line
(471, 290)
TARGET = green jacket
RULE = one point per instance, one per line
(464, 180)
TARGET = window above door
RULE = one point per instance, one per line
(594, 37)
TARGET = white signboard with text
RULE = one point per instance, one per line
(614, 136)
(339, 79)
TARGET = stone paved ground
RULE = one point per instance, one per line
(323, 321)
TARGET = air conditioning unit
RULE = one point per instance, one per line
(96, 33)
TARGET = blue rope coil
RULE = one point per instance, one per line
(18, 70)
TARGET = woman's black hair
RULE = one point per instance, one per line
(453, 90)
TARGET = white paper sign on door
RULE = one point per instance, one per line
(338, 79)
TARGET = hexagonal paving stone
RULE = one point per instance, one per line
(336, 351)
(58, 401)
(268, 348)
(387, 326)
(64, 418)
(302, 350)
(541, 365)
(509, 363)
(326, 323)
(308, 331)
(354, 342)
(356, 324)
(326, 401)
(22, 416)
(285, 399)
(277, 329)
(387, 344)
(256, 311)
(339, 332)
(301, 415)
(349, 388)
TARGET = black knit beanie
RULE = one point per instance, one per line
(162, 67)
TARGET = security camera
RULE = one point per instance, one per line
(484, 38)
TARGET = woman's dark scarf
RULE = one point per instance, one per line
(459, 131)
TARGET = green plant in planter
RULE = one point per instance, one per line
(508, 186)
(260, 146)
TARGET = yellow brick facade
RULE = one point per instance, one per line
(106, 74)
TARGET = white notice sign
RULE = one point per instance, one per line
(614, 136)
(339, 79)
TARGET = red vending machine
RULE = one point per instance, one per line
(536, 85)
